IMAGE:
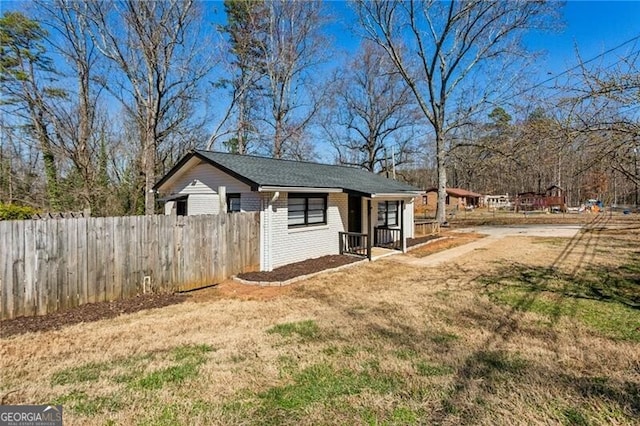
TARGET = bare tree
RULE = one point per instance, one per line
(373, 112)
(608, 101)
(76, 120)
(158, 52)
(441, 50)
(292, 45)
(247, 23)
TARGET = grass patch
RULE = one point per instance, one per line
(574, 417)
(405, 354)
(488, 364)
(174, 374)
(85, 373)
(404, 416)
(605, 299)
(82, 403)
(320, 383)
(317, 385)
(191, 353)
(189, 357)
(307, 330)
(444, 338)
(427, 369)
(129, 372)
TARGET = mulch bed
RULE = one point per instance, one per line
(87, 313)
(298, 269)
(419, 240)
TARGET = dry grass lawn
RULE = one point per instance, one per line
(524, 331)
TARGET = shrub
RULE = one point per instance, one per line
(15, 212)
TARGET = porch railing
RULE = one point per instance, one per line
(388, 238)
(353, 243)
(426, 228)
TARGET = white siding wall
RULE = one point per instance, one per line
(297, 244)
(203, 204)
(201, 183)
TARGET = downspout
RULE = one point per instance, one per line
(403, 237)
(269, 231)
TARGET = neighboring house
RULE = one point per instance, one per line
(553, 198)
(306, 209)
(457, 198)
(497, 201)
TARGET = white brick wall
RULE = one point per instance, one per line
(297, 244)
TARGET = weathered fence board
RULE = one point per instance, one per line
(52, 265)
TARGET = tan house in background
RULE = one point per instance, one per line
(457, 199)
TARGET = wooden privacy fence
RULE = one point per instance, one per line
(51, 265)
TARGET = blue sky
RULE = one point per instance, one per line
(592, 26)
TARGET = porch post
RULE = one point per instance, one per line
(402, 238)
(369, 229)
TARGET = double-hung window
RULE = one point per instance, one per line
(307, 210)
(387, 213)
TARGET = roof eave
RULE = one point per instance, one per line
(276, 188)
(404, 194)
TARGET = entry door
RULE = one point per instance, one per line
(355, 213)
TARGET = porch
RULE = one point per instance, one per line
(370, 236)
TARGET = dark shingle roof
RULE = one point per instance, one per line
(261, 171)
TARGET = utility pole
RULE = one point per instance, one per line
(393, 161)
(386, 163)
(635, 161)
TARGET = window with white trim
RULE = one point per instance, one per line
(307, 210)
(388, 213)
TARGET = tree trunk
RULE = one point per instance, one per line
(441, 211)
(277, 140)
(149, 169)
(50, 168)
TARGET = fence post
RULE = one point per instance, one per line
(370, 226)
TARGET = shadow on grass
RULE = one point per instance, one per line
(489, 365)
(620, 284)
(625, 394)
